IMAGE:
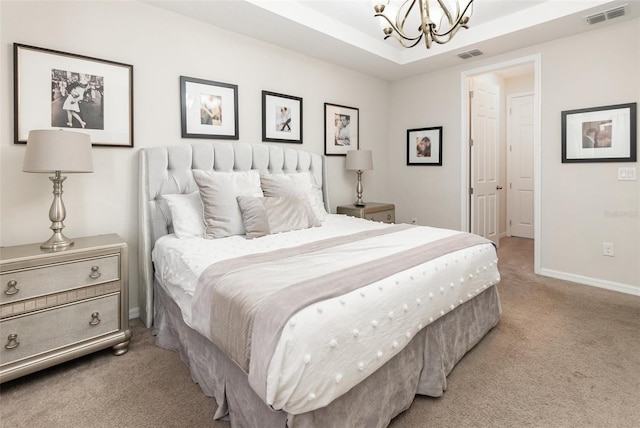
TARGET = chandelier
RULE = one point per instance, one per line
(436, 20)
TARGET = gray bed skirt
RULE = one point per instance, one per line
(420, 368)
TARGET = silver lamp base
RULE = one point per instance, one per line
(57, 214)
(57, 242)
(359, 202)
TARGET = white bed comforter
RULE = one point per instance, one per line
(316, 360)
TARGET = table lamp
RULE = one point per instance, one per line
(359, 160)
(57, 152)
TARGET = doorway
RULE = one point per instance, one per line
(501, 156)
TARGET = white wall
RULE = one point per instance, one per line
(597, 68)
(577, 197)
(162, 46)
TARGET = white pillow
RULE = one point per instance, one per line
(300, 184)
(186, 214)
(219, 190)
(265, 216)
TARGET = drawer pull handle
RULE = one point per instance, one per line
(95, 319)
(95, 272)
(11, 288)
(389, 217)
(12, 341)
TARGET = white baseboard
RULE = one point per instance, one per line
(600, 283)
(134, 313)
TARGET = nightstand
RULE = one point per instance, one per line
(56, 306)
(374, 211)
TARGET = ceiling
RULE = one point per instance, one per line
(346, 33)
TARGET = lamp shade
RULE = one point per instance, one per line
(50, 150)
(359, 160)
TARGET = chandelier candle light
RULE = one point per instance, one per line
(436, 20)
(359, 160)
(53, 151)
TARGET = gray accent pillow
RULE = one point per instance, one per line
(218, 191)
(300, 184)
(265, 216)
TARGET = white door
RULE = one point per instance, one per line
(520, 166)
(484, 159)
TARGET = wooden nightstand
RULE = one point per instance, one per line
(56, 306)
(375, 211)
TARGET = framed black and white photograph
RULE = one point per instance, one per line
(59, 90)
(281, 118)
(599, 134)
(209, 109)
(341, 129)
(424, 146)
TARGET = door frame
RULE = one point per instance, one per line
(465, 184)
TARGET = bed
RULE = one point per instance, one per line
(288, 315)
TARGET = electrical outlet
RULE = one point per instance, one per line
(607, 249)
(414, 220)
(627, 173)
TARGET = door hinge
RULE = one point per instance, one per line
(471, 191)
(471, 142)
(470, 94)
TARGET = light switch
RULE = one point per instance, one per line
(627, 173)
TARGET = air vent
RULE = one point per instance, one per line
(470, 54)
(615, 13)
(607, 14)
(597, 18)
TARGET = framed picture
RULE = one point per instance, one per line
(209, 109)
(424, 146)
(59, 90)
(341, 129)
(599, 134)
(281, 118)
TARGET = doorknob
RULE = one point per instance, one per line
(498, 187)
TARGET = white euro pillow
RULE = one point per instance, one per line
(301, 184)
(186, 214)
(218, 191)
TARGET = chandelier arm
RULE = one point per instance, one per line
(406, 15)
(454, 28)
(402, 42)
(398, 30)
(446, 11)
(428, 39)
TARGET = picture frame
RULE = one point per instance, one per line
(61, 90)
(341, 129)
(281, 118)
(209, 109)
(424, 146)
(600, 134)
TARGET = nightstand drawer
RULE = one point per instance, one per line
(46, 279)
(48, 330)
(388, 216)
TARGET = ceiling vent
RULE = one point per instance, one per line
(607, 14)
(470, 54)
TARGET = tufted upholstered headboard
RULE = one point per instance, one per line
(167, 170)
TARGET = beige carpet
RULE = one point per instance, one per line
(563, 355)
